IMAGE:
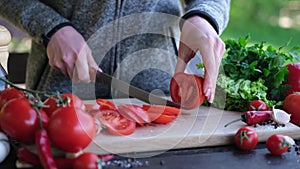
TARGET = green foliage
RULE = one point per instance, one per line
(254, 71)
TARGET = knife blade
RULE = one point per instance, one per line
(133, 91)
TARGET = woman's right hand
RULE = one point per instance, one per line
(69, 53)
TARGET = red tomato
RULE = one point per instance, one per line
(86, 160)
(293, 77)
(246, 138)
(67, 99)
(257, 105)
(160, 109)
(20, 120)
(277, 144)
(115, 123)
(105, 104)
(291, 104)
(134, 113)
(71, 129)
(10, 93)
(161, 119)
(186, 89)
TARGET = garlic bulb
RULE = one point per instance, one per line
(279, 116)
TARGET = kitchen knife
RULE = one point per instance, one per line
(132, 90)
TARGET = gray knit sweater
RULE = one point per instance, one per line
(134, 40)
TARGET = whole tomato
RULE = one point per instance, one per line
(291, 104)
(293, 77)
(71, 129)
(277, 144)
(19, 120)
(10, 93)
(86, 160)
(246, 138)
(64, 100)
(257, 105)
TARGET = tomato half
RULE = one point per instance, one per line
(115, 123)
(246, 138)
(186, 89)
(71, 129)
(19, 120)
(291, 104)
(277, 144)
(67, 99)
(134, 113)
(86, 160)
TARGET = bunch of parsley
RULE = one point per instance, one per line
(252, 71)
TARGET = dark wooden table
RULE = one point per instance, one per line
(223, 157)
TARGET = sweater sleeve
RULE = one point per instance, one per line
(216, 12)
(31, 16)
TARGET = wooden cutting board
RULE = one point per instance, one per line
(201, 127)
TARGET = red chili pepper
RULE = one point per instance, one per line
(44, 150)
(31, 158)
(253, 117)
(26, 156)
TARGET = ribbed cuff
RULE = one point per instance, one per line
(202, 14)
(46, 37)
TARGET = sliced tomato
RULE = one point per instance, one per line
(161, 119)
(134, 113)
(116, 124)
(106, 104)
(186, 89)
(160, 109)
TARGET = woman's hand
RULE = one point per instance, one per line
(198, 35)
(69, 53)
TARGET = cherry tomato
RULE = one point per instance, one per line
(134, 113)
(115, 123)
(291, 105)
(20, 120)
(71, 129)
(277, 144)
(186, 89)
(257, 105)
(246, 138)
(86, 160)
(105, 104)
(67, 99)
(10, 93)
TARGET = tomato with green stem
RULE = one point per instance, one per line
(20, 121)
(257, 105)
(277, 144)
(51, 104)
(9, 94)
(71, 129)
(187, 90)
(246, 138)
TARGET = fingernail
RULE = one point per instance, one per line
(208, 94)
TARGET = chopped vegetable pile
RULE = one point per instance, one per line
(251, 72)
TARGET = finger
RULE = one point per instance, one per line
(82, 67)
(93, 67)
(184, 56)
(208, 56)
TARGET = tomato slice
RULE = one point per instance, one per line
(161, 119)
(186, 89)
(134, 113)
(116, 124)
(106, 104)
(160, 109)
